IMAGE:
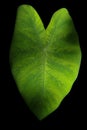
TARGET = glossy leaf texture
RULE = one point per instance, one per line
(44, 62)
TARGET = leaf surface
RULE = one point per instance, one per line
(44, 62)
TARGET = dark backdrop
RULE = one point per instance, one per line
(71, 113)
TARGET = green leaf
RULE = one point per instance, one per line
(44, 62)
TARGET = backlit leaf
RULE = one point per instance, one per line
(44, 62)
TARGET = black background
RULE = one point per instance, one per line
(72, 111)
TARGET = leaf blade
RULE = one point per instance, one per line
(42, 61)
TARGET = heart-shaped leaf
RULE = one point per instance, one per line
(44, 62)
